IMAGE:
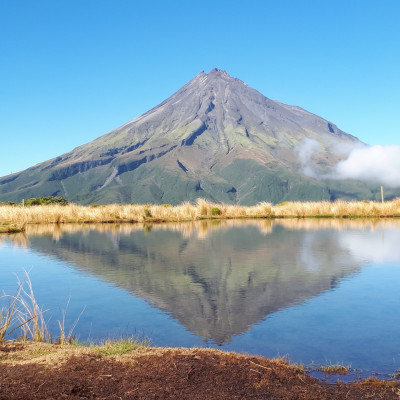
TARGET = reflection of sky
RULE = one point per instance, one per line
(356, 323)
(310, 260)
(379, 246)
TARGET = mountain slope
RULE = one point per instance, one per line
(215, 138)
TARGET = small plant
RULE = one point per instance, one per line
(23, 313)
(121, 346)
(30, 314)
(147, 213)
(395, 375)
(285, 360)
(215, 211)
(69, 337)
(335, 369)
(7, 315)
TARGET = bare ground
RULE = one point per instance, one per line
(45, 371)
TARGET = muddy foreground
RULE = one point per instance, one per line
(45, 371)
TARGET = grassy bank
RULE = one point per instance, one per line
(32, 370)
(19, 216)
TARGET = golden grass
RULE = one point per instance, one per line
(23, 315)
(335, 369)
(202, 209)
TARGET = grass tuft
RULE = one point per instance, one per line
(395, 375)
(334, 369)
(121, 346)
(23, 315)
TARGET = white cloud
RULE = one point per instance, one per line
(304, 152)
(372, 164)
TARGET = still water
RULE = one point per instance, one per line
(316, 291)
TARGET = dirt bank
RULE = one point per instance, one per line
(45, 371)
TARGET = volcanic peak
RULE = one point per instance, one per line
(215, 138)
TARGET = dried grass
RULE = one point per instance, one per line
(202, 209)
(23, 313)
(24, 316)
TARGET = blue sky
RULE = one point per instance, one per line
(74, 70)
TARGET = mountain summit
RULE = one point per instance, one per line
(215, 138)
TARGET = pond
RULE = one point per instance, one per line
(315, 290)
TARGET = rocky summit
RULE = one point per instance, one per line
(215, 138)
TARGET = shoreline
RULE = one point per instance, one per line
(41, 370)
(14, 218)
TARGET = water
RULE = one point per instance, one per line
(316, 291)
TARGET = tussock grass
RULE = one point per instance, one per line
(22, 314)
(339, 369)
(202, 209)
(286, 361)
(120, 346)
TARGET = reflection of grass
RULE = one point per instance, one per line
(19, 216)
(10, 228)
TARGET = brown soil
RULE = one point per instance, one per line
(44, 371)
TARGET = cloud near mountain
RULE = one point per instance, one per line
(379, 164)
(376, 163)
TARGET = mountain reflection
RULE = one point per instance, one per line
(216, 278)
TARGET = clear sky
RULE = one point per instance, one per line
(73, 70)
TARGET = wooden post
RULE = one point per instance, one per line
(23, 202)
(382, 193)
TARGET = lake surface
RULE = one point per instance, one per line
(316, 291)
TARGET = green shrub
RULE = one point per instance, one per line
(215, 211)
(147, 213)
(46, 200)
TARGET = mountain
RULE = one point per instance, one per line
(215, 138)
